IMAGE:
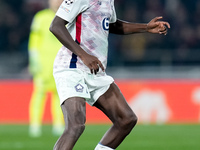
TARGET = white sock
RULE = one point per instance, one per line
(102, 147)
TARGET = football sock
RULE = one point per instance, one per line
(102, 147)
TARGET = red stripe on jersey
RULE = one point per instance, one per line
(78, 28)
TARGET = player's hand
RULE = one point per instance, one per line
(156, 26)
(93, 63)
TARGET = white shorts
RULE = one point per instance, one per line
(77, 83)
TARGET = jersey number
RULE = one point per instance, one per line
(105, 23)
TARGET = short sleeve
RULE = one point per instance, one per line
(114, 16)
(69, 9)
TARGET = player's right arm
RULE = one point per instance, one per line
(58, 28)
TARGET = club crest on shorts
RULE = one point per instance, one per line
(79, 88)
(69, 2)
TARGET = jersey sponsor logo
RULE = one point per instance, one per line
(105, 23)
(65, 9)
(69, 2)
(79, 88)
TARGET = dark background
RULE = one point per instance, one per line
(180, 48)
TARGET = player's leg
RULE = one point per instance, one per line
(114, 105)
(36, 110)
(56, 113)
(74, 116)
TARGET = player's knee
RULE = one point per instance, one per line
(129, 121)
(77, 129)
(134, 119)
(73, 131)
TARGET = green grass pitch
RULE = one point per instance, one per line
(143, 137)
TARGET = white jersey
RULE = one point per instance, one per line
(89, 27)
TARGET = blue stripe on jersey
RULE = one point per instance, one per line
(74, 58)
(73, 61)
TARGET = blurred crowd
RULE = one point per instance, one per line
(15, 21)
(179, 47)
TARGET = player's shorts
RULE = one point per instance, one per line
(77, 83)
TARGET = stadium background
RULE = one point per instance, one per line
(161, 72)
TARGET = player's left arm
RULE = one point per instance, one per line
(154, 26)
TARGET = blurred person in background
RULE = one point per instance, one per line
(43, 48)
